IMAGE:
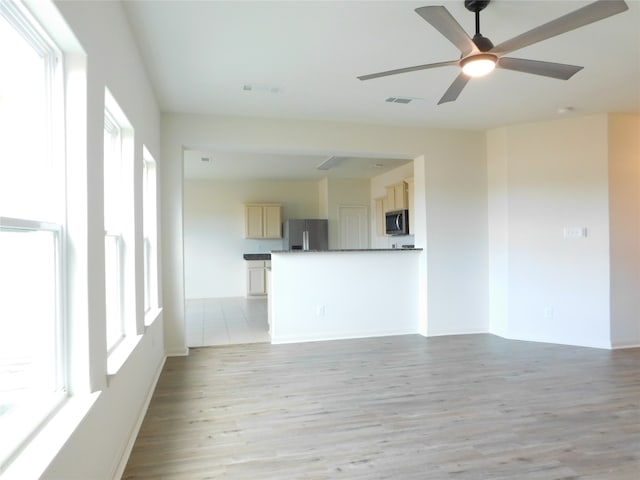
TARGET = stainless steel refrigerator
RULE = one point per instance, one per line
(308, 234)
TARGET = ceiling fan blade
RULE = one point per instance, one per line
(440, 18)
(560, 71)
(593, 12)
(408, 69)
(454, 89)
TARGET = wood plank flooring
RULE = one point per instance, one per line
(406, 407)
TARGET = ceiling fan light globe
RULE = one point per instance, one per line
(478, 65)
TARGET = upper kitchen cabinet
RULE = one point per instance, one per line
(381, 208)
(263, 220)
(397, 197)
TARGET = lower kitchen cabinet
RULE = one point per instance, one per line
(257, 277)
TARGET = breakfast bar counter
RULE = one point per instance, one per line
(335, 294)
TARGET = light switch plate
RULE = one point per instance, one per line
(575, 232)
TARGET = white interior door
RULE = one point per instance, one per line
(354, 226)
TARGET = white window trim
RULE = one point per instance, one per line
(32, 417)
(117, 238)
(112, 127)
(150, 238)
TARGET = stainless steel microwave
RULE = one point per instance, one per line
(397, 222)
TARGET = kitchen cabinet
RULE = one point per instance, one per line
(381, 208)
(257, 277)
(263, 220)
(396, 197)
(410, 201)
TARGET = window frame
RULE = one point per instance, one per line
(30, 416)
(113, 231)
(149, 234)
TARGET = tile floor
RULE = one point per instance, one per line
(226, 321)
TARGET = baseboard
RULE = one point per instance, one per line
(178, 353)
(339, 336)
(554, 341)
(455, 332)
(136, 428)
(622, 346)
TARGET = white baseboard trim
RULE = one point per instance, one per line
(455, 332)
(554, 341)
(136, 428)
(339, 336)
(622, 346)
(178, 353)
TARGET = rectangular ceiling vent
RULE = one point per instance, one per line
(330, 163)
(398, 100)
(247, 87)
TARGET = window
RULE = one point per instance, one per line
(113, 246)
(32, 196)
(149, 214)
(118, 224)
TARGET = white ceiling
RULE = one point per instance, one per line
(237, 164)
(302, 59)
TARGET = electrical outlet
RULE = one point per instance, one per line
(320, 310)
(548, 312)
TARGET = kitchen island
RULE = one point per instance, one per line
(336, 294)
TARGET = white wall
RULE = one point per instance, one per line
(214, 224)
(454, 163)
(497, 203)
(100, 441)
(624, 211)
(456, 237)
(214, 229)
(545, 177)
(334, 295)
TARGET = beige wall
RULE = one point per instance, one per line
(453, 162)
(455, 186)
(624, 211)
(543, 178)
(214, 229)
(498, 203)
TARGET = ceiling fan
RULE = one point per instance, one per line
(478, 56)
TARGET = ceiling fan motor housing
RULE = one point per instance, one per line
(482, 42)
(476, 5)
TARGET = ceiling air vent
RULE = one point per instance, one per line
(262, 88)
(398, 100)
(330, 163)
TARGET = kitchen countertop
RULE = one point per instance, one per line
(267, 256)
(256, 256)
(351, 250)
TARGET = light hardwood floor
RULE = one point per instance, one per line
(406, 407)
